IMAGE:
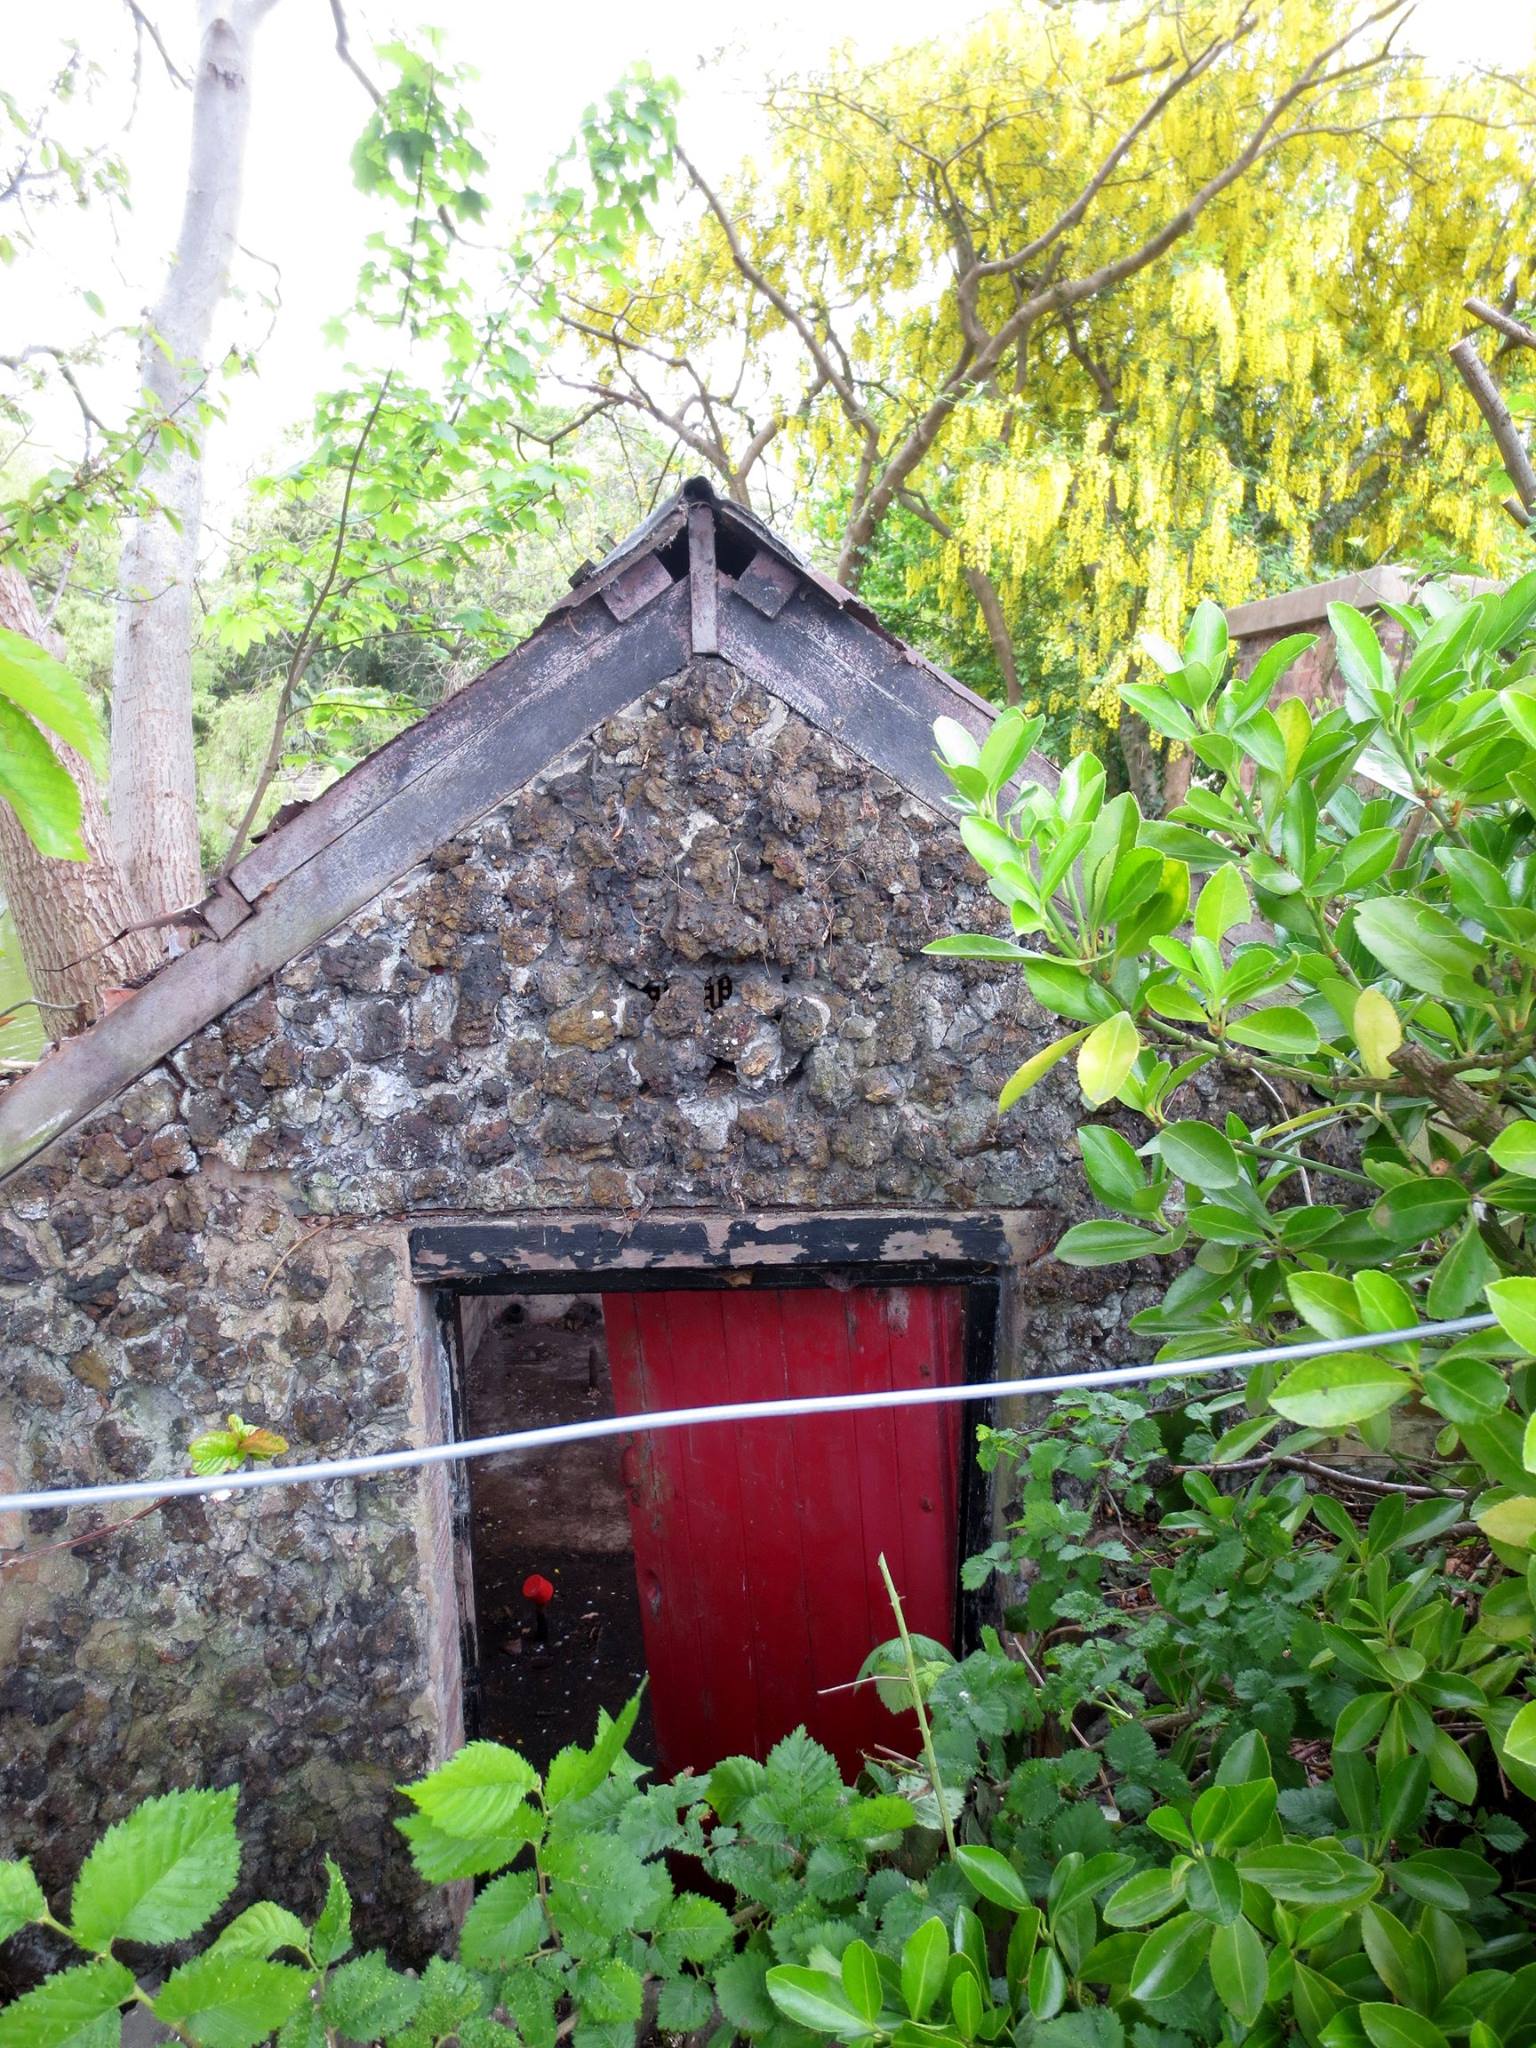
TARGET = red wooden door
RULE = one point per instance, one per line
(756, 1543)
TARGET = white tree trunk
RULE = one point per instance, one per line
(154, 782)
(68, 913)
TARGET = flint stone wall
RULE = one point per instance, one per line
(532, 1020)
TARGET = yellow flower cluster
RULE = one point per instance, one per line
(1272, 389)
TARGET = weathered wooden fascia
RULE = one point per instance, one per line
(658, 600)
(361, 835)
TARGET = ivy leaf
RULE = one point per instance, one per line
(231, 2001)
(73, 2009)
(160, 1874)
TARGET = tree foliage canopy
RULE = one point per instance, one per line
(1088, 318)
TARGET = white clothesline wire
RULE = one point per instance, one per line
(730, 1411)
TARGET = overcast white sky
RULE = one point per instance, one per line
(538, 66)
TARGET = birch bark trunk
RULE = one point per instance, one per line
(154, 780)
(68, 913)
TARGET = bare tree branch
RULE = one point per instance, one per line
(1490, 403)
(1492, 316)
(344, 52)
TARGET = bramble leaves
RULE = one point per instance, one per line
(160, 1874)
(76, 2008)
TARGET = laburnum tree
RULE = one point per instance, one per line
(1052, 328)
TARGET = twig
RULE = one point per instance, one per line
(270, 765)
(1478, 379)
(344, 52)
(919, 1709)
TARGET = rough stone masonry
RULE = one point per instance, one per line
(683, 969)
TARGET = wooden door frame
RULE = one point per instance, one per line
(983, 1250)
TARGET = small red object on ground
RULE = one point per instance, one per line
(538, 1589)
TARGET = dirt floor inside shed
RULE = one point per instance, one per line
(564, 1515)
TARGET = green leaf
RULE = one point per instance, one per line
(1171, 1956)
(1199, 1155)
(1513, 1302)
(47, 692)
(576, 1773)
(861, 1979)
(331, 1936)
(1520, 1737)
(993, 1876)
(1240, 1970)
(365, 1999)
(1466, 1389)
(1144, 1898)
(1393, 2026)
(1106, 1057)
(261, 1930)
(441, 1857)
(1511, 1520)
(815, 2000)
(1365, 668)
(1046, 1985)
(924, 1961)
(1515, 1148)
(1222, 903)
(72, 2009)
(1334, 1393)
(691, 1929)
(1035, 1069)
(231, 2001)
(475, 1792)
(1327, 1303)
(977, 946)
(1278, 1029)
(160, 1874)
(1421, 946)
(1108, 1244)
(599, 1883)
(21, 1898)
(38, 787)
(505, 1923)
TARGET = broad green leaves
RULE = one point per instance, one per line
(160, 1874)
(21, 1898)
(76, 2008)
(38, 695)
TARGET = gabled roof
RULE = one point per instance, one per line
(699, 577)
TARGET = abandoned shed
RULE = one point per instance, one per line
(575, 1052)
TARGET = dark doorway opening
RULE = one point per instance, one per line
(562, 1515)
(533, 1309)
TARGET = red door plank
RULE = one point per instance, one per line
(756, 1546)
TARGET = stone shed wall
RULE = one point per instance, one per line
(533, 1020)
